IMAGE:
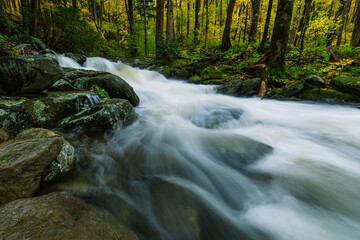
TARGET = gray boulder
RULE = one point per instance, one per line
(28, 160)
(105, 115)
(30, 74)
(33, 41)
(347, 84)
(315, 80)
(61, 85)
(79, 58)
(231, 88)
(58, 216)
(251, 87)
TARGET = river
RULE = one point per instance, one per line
(201, 165)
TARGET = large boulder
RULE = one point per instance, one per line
(114, 85)
(57, 216)
(4, 136)
(251, 87)
(30, 74)
(27, 39)
(231, 88)
(44, 110)
(347, 84)
(61, 85)
(79, 58)
(105, 115)
(28, 161)
(315, 80)
(293, 89)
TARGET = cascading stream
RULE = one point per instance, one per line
(200, 165)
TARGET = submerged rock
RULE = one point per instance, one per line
(23, 163)
(30, 74)
(57, 216)
(105, 115)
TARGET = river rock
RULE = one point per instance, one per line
(57, 216)
(61, 85)
(105, 115)
(29, 74)
(22, 165)
(114, 85)
(4, 136)
(315, 80)
(251, 87)
(293, 89)
(33, 41)
(347, 84)
(231, 88)
(64, 161)
(79, 58)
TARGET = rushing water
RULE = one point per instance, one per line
(200, 165)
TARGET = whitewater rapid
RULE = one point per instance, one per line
(201, 165)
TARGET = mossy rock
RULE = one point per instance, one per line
(213, 72)
(231, 88)
(315, 80)
(79, 58)
(293, 89)
(33, 41)
(195, 79)
(251, 87)
(329, 96)
(58, 216)
(180, 73)
(347, 84)
(164, 70)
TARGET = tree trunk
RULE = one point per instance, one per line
(145, 29)
(34, 18)
(296, 21)
(170, 32)
(188, 21)
(355, 38)
(206, 22)
(332, 32)
(238, 22)
(25, 15)
(197, 25)
(226, 42)
(246, 21)
(275, 58)
(131, 19)
(343, 21)
(159, 26)
(266, 29)
(331, 9)
(255, 10)
(303, 21)
(220, 16)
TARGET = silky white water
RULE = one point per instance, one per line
(200, 165)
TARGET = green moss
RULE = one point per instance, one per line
(329, 94)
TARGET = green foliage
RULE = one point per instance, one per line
(100, 91)
(168, 50)
(71, 33)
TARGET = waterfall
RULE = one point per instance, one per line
(93, 98)
(201, 165)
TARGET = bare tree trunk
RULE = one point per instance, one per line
(25, 15)
(331, 9)
(220, 16)
(159, 26)
(170, 32)
(197, 25)
(275, 58)
(303, 21)
(145, 29)
(355, 38)
(238, 22)
(343, 21)
(266, 29)
(188, 21)
(246, 20)
(226, 42)
(255, 10)
(206, 22)
(296, 21)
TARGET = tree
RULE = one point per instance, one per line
(343, 22)
(226, 42)
(25, 15)
(145, 28)
(170, 32)
(159, 26)
(304, 22)
(131, 19)
(255, 10)
(197, 24)
(355, 38)
(275, 58)
(266, 29)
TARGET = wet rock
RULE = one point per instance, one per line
(30, 74)
(180, 73)
(105, 115)
(57, 216)
(293, 89)
(164, 70)
(347, 84)
(329, 96)
(251, 87)
(315, 80)
(34, 42)
(114, 85)
(47, 51)
(231, 88)
(79, 58)
(64, 161)
(4, 136)
(22, 165)
(61, 85)
(18, 114)
(141, 63)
